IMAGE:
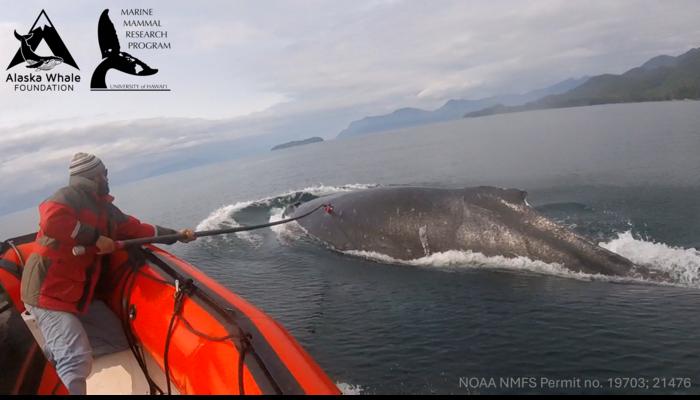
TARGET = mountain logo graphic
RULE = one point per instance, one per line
(44, 31)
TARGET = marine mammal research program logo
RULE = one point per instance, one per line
(45, 56)
(113, 58)
(42, 32)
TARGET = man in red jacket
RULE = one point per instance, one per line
(57, 286)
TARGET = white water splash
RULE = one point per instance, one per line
(322, 190)
(457, 259)
(223, 217)
(349, 389)
(683, 265)
(293, 230)
(285, 232)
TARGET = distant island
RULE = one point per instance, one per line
(661, 78)
(314, 139)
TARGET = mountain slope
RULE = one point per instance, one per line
(453, 109)
(660, 78)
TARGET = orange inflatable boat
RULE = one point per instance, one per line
(187, 334)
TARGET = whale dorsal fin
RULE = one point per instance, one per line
(515, 196)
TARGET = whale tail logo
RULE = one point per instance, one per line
(113, 57)
(42, 30)
(24, 38)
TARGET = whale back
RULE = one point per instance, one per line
(489, 196)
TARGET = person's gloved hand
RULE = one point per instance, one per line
(189, 235)
(104, 245)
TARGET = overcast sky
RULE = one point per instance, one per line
(294, 68)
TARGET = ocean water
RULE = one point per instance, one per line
(626, 176)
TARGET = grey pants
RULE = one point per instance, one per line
(72, 341)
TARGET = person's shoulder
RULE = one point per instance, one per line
(67, 195)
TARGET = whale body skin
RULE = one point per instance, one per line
(407, 223)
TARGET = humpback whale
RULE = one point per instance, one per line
(412, 222)
(113, 57)
(34, 60)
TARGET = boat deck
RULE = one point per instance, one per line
(116, 373)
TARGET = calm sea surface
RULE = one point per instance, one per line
(627, 176)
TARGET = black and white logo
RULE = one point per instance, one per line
(115, 59)
(37, 63)
(40, 51)
(41, 31)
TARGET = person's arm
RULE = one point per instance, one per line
(129, 227)
(60, 222)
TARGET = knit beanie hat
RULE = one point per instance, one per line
(86, 165)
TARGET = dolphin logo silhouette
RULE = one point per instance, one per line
(34, 60)
(113, 57)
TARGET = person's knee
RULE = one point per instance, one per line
(67, 346)
(74, 363)
(73, 348)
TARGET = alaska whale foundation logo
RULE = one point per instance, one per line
(42, 31)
